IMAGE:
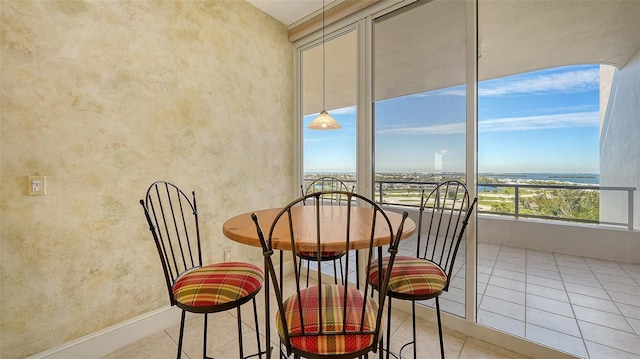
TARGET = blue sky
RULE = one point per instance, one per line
(543, 121)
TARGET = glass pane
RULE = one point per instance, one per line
(556, 132)
(420, 112)
(330, 152)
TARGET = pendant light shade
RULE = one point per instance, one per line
(324, 121)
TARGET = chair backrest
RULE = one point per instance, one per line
(329, 185)
(173, 222)
(358, 215)
(444, 214)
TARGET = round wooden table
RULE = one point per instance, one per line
(333, 224)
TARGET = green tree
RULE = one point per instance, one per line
(578, 204)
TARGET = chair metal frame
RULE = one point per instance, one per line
(267, 246)
(448, 209)
(177, 237)
(323, 184)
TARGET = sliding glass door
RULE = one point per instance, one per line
(419, 76)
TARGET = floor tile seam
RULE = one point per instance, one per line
(500, 276)
(600, 337)
(569, 280)
(606, 326)
(506, 300)
(621, 292)
(630, 305)
(502, 286)
(609, 346)
(166, 332)
(564, 285)
(633, 282)
(542, 285)
(550, 312)
(586, 350)
(604, 311)
(550, 289)
(556, 331)
(505, 316)
(614, 303)
(481, 295)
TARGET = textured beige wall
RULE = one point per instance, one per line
(104, 97)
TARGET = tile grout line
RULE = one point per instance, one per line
(584, 343)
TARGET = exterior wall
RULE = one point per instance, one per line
(103, 98)
(619, 145)
(610, 243)
(580, 240)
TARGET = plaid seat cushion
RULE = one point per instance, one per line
(332, 342)
(218, 284)
(411, 277)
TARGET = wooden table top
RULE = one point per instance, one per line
(242, 229)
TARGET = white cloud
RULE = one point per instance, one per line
(565, 82)
(343, 111)
(445, 129)
(560, 82)
(567, 120)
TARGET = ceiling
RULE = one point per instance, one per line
(289, 11)
(514, 37)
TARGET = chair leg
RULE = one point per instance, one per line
(181, 335)
(204, 339)
(240, 332)
(357, 270)
(413, 342)
(255, 318)
(413, 314)
(440, 328)
(389, 328)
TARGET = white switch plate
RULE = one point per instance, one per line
(37, 185)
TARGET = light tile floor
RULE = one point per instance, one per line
(587, 307)
(583, 306)
(223, 344)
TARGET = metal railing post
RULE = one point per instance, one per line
(517, 195)
(630, 209)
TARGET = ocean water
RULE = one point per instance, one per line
(583, 178)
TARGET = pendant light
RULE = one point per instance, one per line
(324, 121)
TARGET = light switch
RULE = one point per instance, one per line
(37, 185)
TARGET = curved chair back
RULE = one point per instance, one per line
(444, 214)
(329, 313)
(330, 185)
(173, 222)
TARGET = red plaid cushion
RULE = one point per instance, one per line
(217, 284)
(411, 276)
(331, 342)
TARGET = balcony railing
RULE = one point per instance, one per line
(407, 193)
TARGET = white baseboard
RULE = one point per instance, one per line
(118, 336)
(110, 339)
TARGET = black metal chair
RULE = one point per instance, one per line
(193, 286)
(444, 214)
(323, 184)
(329, 320)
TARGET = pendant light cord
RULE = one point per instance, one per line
(323, 74)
